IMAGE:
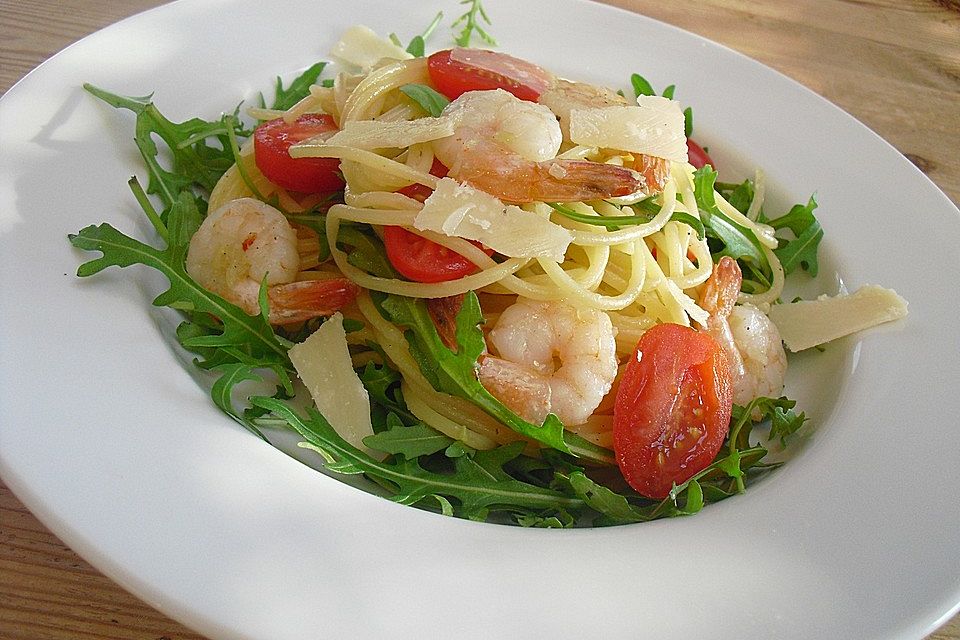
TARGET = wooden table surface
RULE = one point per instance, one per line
(894, 64)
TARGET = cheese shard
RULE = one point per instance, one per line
(653, 127)
(807, 323)
(376, 134)
(361, 47)
(323, 363)
(459, 210)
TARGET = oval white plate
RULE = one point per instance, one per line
(108, 439)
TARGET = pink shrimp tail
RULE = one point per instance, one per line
(523, 391)
(722, 288)
(306, 299)
(550, 181)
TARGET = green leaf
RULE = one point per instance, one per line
(802, 250)
(431, 101)
(612, 505)
(411, 442)
(222, 392)
(688, 122)
(455, 372)
(471, 23)
(641, 87)
(250, 333)
(193, 160)
(478, 484)
(417, 47)
(298, 89)
(739, 242)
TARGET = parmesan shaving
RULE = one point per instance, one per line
(654, 127)
(376, 134)
(807, 323)
(361, 47)
(462, 211)
(323, 363)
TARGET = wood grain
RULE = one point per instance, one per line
(893, 64)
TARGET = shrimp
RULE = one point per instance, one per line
(245, 242)
(507, 147)
(751, 341)
(528, 337)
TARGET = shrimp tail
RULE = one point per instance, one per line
(550, 181)
(443, 312)
(306, 299)
(521, 390)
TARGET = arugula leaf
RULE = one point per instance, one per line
(455, 372)
(641, 87)
(801, 251)
(431, 101)
(478, 483)
(784, 421)
(410, 442)
(739, 242)
(615, 222)
(471, 23)
(250, 335)
(194, 161)
(738, 195)
(298, 89)
(417, 46)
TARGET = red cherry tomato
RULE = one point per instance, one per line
(697, 156)
(456, 71)
(421, 192)
(672, 410)
(271, 145)
(422, 260)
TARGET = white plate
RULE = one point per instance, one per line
(108, 439)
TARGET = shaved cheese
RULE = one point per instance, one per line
(807, 323)
(459, 210)
(323, 363)
(361, 47)
(654, 127)
(375, 134)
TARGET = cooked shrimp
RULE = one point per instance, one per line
(245, 242)
(528, 337)
(507, 147)
(751, 341)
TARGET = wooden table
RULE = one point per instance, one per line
(894, 64)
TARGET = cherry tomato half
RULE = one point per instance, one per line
(271, 146)
(456, 71)
(672, 410)
(697, 156)
(422, 260)
(421, 192)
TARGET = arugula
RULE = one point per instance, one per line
(431, 101)
(410, 442)
(417, 46)
(195, 162)
(477, 482)
(235, 346)
(738, 242)
(299, 88)
(615, 222)
(471, 23)
(802, 250)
